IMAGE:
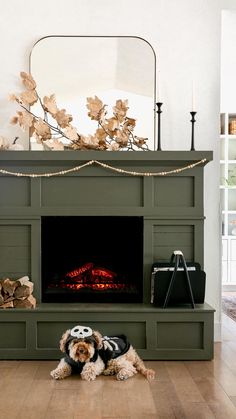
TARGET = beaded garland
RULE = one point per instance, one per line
(105, 166)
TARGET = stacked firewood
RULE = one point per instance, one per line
(17, 293)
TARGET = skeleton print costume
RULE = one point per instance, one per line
(112, 347)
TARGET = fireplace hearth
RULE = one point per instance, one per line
(92, 259)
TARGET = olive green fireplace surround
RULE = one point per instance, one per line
(172, 209)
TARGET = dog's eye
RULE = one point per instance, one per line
(85, 330)
(76, 330)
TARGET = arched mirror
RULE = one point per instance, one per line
(76, 67)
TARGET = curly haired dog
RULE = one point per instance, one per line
(89, 354)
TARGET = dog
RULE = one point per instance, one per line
(90, 354)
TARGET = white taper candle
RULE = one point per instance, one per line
(193, 97)
(158, 86)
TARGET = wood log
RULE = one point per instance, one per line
(32, 300)
(17, 293)
(6, 298)
(29, 302)
(1, 296)
(24, 280)
(24, 290)
(9, 286)
(7, 305)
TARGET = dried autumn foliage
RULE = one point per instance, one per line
(50, 104)
(42, 130)
(90, 142)
(96, 108)
(113, 133)
(54, 145)
(71, 133)
(24, 119)
(29, 97)
(120, 110)
(28, 81)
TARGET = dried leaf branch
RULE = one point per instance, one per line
(114, 133)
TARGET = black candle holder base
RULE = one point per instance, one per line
(159, 111)
(193, 120)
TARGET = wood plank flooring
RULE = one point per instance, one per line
(181, 390)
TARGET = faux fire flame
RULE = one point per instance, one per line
(93, 277)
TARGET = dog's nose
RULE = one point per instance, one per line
(81, 351)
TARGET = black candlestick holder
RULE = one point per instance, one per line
(159, 111)
(193, 120)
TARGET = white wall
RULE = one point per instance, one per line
(186, 37)
(228, 62)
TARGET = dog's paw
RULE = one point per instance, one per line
(56, 374)
(123, 375)
(150, 375)
(109, 372)
(88, 376)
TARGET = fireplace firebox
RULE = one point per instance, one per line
(92, 259)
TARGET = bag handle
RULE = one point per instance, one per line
(178, 257)
(176, 253)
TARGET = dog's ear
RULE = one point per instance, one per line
(63, 340)
(98, 338)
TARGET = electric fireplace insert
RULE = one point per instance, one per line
(92, 259)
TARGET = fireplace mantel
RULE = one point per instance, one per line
(173, 213)
(157, 157)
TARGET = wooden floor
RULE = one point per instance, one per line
(190, 389)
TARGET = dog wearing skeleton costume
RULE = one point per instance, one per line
(90, 354)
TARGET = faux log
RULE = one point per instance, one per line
(1, 296)
(23, 281)
(24, 290)
(29, 302)
(9, 286)
(7, 305)
(17, 293)
(7, 298)
(4, 299)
